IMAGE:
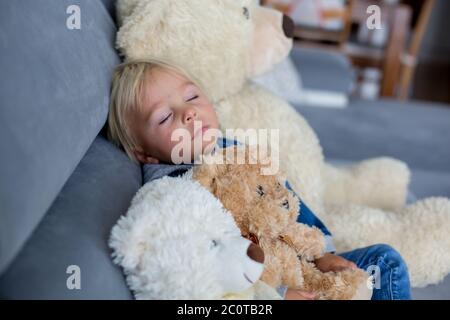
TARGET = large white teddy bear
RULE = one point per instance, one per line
(225, 43)
(175, 247)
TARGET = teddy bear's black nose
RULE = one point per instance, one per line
(255, 253)
(288, 26)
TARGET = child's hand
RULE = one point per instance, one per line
(331, 262)
(294, 294)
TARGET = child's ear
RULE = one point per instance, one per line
(143, 157)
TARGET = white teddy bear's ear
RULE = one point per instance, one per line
(127, 248)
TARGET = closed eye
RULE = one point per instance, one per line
(193, 98)
(165, 119)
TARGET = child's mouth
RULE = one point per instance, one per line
(201, 131)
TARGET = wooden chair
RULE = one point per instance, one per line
(309, 35)
(397, 60)
(409, 59)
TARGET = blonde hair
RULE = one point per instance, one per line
(126, 89)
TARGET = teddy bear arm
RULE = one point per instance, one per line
(309, 242)
(282, 266)
(272, 270)
(341, 285)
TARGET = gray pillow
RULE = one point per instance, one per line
(283, 80)
(54, 100)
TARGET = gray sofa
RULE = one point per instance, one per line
(63, 186)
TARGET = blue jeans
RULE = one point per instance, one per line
(390, 273)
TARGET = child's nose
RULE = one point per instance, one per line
(190, 114)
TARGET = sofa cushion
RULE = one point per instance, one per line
(75, 232)
(284, 81)
(54, 100)
(429, 183)
(415, 132)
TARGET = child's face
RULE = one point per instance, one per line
(169, 101)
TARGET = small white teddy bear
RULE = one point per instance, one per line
(173, 246)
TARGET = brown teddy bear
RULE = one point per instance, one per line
(266, 213)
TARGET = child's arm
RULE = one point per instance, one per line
(332, 262)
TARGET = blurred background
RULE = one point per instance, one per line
(407, 57)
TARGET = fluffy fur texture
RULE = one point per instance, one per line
(173, 246)
(266, 213)
(218, 43)
(360, 179)
(420, 232)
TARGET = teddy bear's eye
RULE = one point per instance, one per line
(260, 190)
(246, 13)
(285, 204)
(214, 243)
